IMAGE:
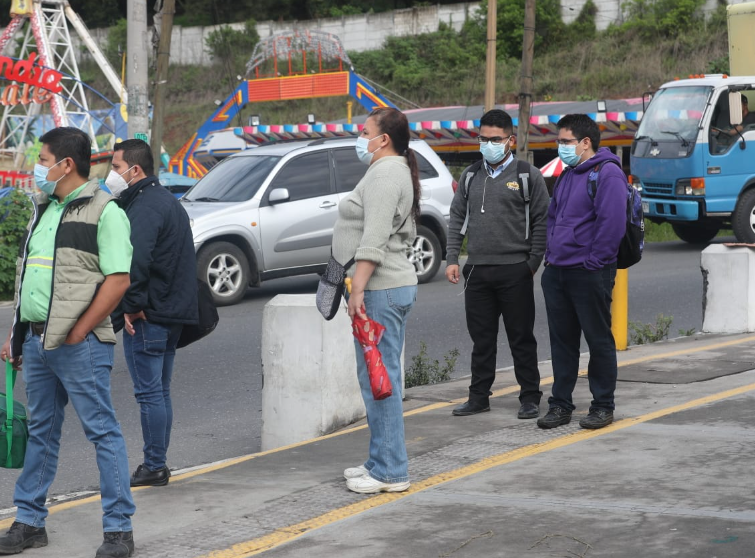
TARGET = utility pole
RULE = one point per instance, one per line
(525, 95)
(491, 55)
(161, 79)
(136, 69)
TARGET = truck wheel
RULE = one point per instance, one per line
(224, 268)
(425, 254)
(695, 234)
(743, 220)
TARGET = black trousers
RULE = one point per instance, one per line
(493, 291)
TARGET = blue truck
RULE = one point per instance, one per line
(694, 152)
(694, 158)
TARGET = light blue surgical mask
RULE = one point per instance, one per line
(494, 154)
(40, 178)
(568, 154)
(364, 155)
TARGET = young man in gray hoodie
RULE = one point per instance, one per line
(501, 207)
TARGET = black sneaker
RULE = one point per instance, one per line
(556, 416)
(20, 536)
(117, 545)
(597, 418)
(144, 476)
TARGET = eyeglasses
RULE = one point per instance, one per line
(495, 140)
(567, 141)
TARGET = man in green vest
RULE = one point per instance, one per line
(72, 271)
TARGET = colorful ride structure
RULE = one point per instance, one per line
(43, 87)
(298, 64)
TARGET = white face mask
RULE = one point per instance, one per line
(116, 183)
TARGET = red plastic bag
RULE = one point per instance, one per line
(368, 333)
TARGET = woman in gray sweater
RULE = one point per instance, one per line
(376, 226)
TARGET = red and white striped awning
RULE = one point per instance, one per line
(553, 168)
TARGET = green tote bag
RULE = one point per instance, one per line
(13, 429)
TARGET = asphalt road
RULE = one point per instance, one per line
(217, 381)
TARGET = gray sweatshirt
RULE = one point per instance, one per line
(375, 224)
(496, 236)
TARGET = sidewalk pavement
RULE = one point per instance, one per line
(673, 476)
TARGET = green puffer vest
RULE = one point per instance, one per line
(76, 269)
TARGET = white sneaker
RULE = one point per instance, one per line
(368, 485)
(355, 472)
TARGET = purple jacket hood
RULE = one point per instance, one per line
(582, 231)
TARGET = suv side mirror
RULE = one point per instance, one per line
(278, 195)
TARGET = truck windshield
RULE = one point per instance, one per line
(674, 114)
(234, 179)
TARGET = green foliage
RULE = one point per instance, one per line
(425, 66)
(116, 44)
(14, 216)
(425, 370)
(650, 333)
(663, 18)
(510, 28)
(687, 332)
(228, 45)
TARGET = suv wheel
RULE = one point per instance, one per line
(224, 268)
(425, 254)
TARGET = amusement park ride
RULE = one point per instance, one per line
(300, 64)
(43, 86)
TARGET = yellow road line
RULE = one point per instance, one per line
(433, 406)
(292, 532)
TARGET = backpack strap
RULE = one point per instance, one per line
(592, 178)
(464, 181)
(523, 175)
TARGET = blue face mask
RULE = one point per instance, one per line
(568, 154)
(494, 154)
(364, 155)
(40, 178)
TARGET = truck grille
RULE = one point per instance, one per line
(658, 188)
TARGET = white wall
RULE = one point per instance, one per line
(357, 33)
(609, 11)
(367, 31)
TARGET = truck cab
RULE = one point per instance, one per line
(694, 157)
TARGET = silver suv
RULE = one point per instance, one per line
(269, 212)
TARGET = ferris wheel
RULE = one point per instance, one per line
(40, 83)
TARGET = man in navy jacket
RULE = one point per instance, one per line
(584, 231)
(161, 299)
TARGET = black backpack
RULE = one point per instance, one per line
(208, 317)
(523, 169)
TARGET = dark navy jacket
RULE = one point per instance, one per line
(164, 266)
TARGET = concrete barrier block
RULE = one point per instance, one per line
(310, 385)
(728, 289)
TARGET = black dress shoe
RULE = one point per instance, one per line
(528, 411)
(147, 477)
(470, 408)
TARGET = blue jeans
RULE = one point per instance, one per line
(387, 460)
(149, 355)
(80, 373)
(579, 301)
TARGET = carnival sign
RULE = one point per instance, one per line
(31, 83)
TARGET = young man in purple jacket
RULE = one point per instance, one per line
(583, 236)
